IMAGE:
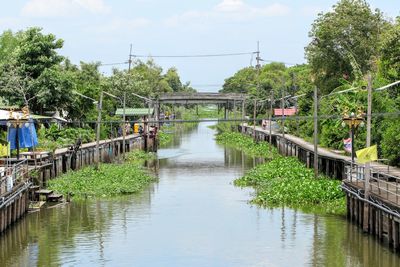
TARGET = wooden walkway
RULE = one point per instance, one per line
(102, 142)
(376, 166)
(384, 182)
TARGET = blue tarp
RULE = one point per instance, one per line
(26, 135)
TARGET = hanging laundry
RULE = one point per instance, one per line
(26, 135)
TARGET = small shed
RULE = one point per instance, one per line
(135, 112)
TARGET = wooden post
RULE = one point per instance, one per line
(367, 165)
(395, 233)
(315, 132)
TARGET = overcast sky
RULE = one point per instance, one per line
(102, 30)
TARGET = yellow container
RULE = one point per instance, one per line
(136, 128)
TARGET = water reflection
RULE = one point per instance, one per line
(193, 216)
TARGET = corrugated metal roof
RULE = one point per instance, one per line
(8, 107)
(134, 111)
(5, 115)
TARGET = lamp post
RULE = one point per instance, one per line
(353, 121)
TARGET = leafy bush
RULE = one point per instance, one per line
(390, 143)
(53, 138)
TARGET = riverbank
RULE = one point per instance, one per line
(110, 180)
(285, 181)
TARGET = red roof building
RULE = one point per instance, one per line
(286, 111)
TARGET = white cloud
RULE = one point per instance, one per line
(231, 6)
(63, 8)
(126, 25)
(239, 7)
(229, 10)
(312, 11)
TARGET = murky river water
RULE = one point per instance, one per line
(192, 217)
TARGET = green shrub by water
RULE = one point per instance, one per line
(247, 144)
(286, 181)
(164, 137)
(110, 180)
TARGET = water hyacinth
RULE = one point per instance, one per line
(286, 181)
(247, 144)
(110, 180)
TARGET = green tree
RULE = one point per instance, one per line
(345, 43)
(33, 68)
(173, 80)
(390, 53)
(86, 80)
(8, 43)
(36, 52)
(241, 81)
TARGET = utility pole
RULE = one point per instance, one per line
(130, 60)
(368, 164)
(124, 128)
(99, 108)
(254, 118)
(243, 113)
(283, 109)
(296, 104)
(315, 132)
(270, 116)
(283, 117)
(124, 112)
(270, 121)
(258, 66)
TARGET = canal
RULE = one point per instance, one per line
(193, 216)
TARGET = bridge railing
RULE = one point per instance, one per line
(383, 185)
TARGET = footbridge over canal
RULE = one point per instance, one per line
(225, 99)
(201, 98)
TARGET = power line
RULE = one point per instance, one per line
(113, 64)
(275, 118)
(195, 55)
(216, 55)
